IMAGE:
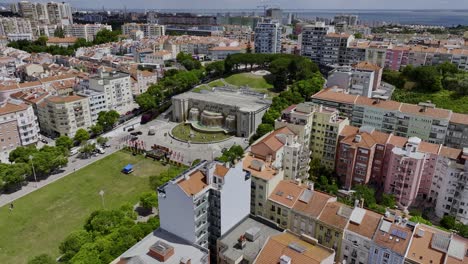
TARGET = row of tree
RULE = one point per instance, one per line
(430, 78)
(40, 45)
(44, 161)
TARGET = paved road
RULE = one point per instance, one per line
(117, 139)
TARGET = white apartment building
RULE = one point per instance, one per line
(64, 115)
(86, 31)
(354, 81)
(205, 202)
(449, 190)
(40, 14)
(268, 37)
(149, 30)
(97, 102)
(18, 126)
(117, 89)
(14, 25)
(59, 13)
(142, 80)
(313, 37)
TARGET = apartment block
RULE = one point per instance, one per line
(15, 25)
(448, 191)
(149, 30)
(313, 38)
(283, 150)
(64, 115)
(357, 238)
(334, 48)
(268, 37)
(424, 120)
(85, 31)
(18, 126)
(205, 202)
(397, 57)
(97, 102)
(117, 89)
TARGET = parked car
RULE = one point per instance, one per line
(106, 145)
(130, 129)
(134, 138)
(139, 133)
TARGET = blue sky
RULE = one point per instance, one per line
(299, 4)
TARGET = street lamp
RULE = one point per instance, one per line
(101, 193)
(34, 171)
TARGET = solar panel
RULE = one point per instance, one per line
(399, 233)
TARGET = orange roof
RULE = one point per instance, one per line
(330, 95)
(65, 99)
(62, 40)
(330, 216)
(367, 140)
(266, 173)
(314, 206)
(194, 184)
(12, 108)
(459, 118)
(418, 110)
(383, 104)
(397, 141)
(365, 65)
(270, 143)
(386, 240)
(428, 147)
(221, 170)
(279, 245)
(450, 152)
(421, 249)
(287, 193)
(368, 226)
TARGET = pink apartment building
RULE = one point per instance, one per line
(397, 57)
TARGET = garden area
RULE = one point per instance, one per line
(185, 132)
(44, 218)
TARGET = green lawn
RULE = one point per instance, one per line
(42, 219)
(217, 83)
(182, 132)
(442, 99)
(253, 81)
(202, 87)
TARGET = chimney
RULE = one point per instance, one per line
(241, 242)
(362, 202)
(357, 138)
(310, 186)
(285, 259)
(185, 260)
(161, 251)
(356, 203)
(298, 182)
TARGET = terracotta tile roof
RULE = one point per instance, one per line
(397, 141)
(279, 245)
(331, 217)
(330, 95)
(314, 206)
(8, 108)
(270, 143)
(65, 99)
(368, 226)
(382, 239)
(428, 147)
(459, 118)
(221, 170)
(365, 65)
(349, 131)
(451, 153)
(194, 184)
(62, 40)
(338, 35)
(421, 250)
(57, 77)
(382, 104)
(219, 48)
(8, 86)
(418, 110)
(29, 84)
(267, 173)
(287, 193)
(367, 140)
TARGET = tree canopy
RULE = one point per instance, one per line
(81, 136)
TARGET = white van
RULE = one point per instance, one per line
(100, 150)
(74, 151)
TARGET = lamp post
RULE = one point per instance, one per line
(101, 193)
(34, 171)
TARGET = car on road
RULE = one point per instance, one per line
(134, 138)
(130, 129)
(106, 145)
(136, 133)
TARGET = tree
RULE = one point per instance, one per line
(108, 119)
(21, 154)
(366, 193)
(106, 36)
(388, 200)
(102, 140)
(448, 222)
(148, 200)
(216, 68)
(157, 180)
(103, 222)
(59, 33)
(81, 135)
(232, 154)
(13, 175)
(420, 219)
(42, 259)
(447, 68)
(87, 149)
(146, 101)
(264, 129)
(358, 35)
(73, 243)
(64, 142)
(270, 116)
(97, 129)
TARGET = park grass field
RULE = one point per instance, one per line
(255, 82)
(41, 220)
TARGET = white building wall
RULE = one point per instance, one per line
(235, 197)
(176, 213)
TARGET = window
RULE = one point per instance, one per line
(386, 255)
